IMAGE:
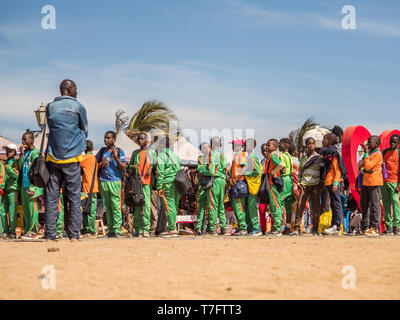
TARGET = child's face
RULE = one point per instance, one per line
(394, 142)
(310, 145)
(372, 144)
(142, 140)
(237, 147)
(27, 141)
(326, 143)
(264, 151)
(271, 147)
(10, 153)
(109, 140)
(249, 146)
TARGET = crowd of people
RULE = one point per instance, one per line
(284, 185)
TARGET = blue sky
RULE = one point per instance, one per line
(262, 65)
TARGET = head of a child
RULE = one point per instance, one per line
(284, 145)
(28, 139)
(272, 145)
(68, 88)
(264, 150)
(89, 146)
(338, 131)
(109, 138)
(373, 142)
(249, 145)
(329, 140)
(11, 152)
(142, 140)
(310, 145)
(394, 141)
(293, 151)
(237, 145)
(205, 148)
(215, 143)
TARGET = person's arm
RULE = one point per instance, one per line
(254, 166)
(336, 174)
(201, 167)
(120, 162)
(371, 162)
(160, 173)
(131, 166)
(12, 171)
(277, 163)
(83, 122)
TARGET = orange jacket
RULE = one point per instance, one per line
(334, 176)
(372, 169)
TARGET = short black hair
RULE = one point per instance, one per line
(263, 145)
(286, 140)
(203, 144)
(113, 134)
(276, 142)
(89, 145)
(292, 149)
(338, 131)
(29, 133)
(309, 139)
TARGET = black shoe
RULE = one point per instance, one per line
(117, 235)
(286, 232)
(110, 235)
(223, 232)
(395, 231)
(199, 233)
(388, 231)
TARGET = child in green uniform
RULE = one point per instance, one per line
(142, 163)
(168, 166)
(202, 166)
(10, 197)
(29, 192)
(215, 196)
(273, 166)
(253, 170)
(286, 174)
(112, 166)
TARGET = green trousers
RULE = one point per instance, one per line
(252, 220)
(275, 207)
(60, 220)
(287, 195)
(215, 202)
(111, 195)
(239, 208)
(142, 214)
(170, 202)
(390, 199)
(31, 211)
(8, 205)
(89, 220)
(202, 204)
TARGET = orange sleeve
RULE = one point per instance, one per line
(336, 170)
(371, 162)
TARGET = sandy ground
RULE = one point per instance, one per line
(203, 268)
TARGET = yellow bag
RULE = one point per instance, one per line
(325, 221)
(254, 183)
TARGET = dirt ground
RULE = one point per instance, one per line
(203, 268)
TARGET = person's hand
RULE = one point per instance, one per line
(334, 188)
(366, 149)
(115, 153)
(397, 190)
(160, 193)
(21, 150)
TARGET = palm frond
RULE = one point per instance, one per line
(296, 136)
(121, 120)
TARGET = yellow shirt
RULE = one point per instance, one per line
(49, 157)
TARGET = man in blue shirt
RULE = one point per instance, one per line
(112, 164)
(67, 121)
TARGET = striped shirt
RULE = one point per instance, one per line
(310, 170)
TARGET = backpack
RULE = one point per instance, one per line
(254, 183)
(182, 181)
(38, 174)
(264, 189)
(134, 195)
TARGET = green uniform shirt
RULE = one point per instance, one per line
(167, 167)
(33, 155)
(153, 162)
(216, 160)
(11, 184)
(253, 165)
(201, 168)
(288, 162)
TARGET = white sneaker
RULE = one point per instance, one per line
(332, 231)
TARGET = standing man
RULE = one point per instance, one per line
(29, 192)
(67, 121)
(238, 170)
(88, 165)
(202, 165)
(215, 196)
(167, 167)
(10, 196)
(142, 163)
(391, 187)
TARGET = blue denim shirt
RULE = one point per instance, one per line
(67, 121)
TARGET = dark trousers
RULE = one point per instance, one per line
(336, 204)
(326, 202)
(314, 192)
(68, 176)
(370, 199)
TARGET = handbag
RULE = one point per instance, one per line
(239, 190)
(277, 181)
(134, 195)
(86, 203)
(38, 173)
(254, 183)
(264, 189)
(208, 181)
